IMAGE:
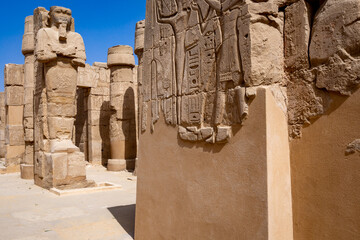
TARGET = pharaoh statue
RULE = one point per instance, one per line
(61, 51)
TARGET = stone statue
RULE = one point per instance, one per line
(61, 51)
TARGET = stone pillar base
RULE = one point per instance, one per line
(27, 171)
(121, 164)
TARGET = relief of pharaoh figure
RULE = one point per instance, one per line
(62, 52)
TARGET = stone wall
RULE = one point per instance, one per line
(213, 104)
(14, 107)
(205, 64)
(96, 80)
(322, 61)
(2, 127)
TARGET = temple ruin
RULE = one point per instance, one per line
(58, 111)
(240, 119)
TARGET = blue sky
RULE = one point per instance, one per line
(102, 24)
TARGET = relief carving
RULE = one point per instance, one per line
(194, 73)
(202, 59)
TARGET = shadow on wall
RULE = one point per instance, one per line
(81, 119)
(104, 124)
(129, 124)
(125, 215)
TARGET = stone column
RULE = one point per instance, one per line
(28, 45)
(139, 51)
(14, 107)
(122, 101)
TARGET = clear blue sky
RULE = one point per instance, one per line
(102, 24)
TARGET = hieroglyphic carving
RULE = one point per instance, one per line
(194, 73)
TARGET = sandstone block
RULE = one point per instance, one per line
(87, 76)
(339, 76)
(2, 134)
(297, 35)
(15, 152)
(61, 110)
(336, 28)
(14, 135)
(116, 165)
(100, 90)
(27, 171)
(76, 165)
(28, 122)
(262, 49)
(14, 75)
(15, 115)
(29, 135)
(95, 152)
(28, 110)
(14, 95)
(98, 118)
(139, 37)
(29, 95)
(98, 102)
(2, 149)
(121, 55)
(29, 154)
(100, 64)
(59, 165)
(61, 128)
(28, 43)
(122, 74)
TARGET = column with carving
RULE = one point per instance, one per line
(122, 100)
(28, 45)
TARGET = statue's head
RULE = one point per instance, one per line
(60, 15)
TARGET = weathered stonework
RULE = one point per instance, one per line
(58, 53)
(326, 62)
(198, 63)
(205, 64)
(122, 102)
(28, 46)
(213, 88)
(14, 106)
(2, 127)
(93, 127)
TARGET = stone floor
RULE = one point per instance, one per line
(29, 212)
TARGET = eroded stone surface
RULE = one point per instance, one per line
(353, 147)
(59, 52)
(199, 57)
(331, 62)
(122, 102)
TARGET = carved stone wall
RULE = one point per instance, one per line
(213, 116)
(204, 64)
(199, 59)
